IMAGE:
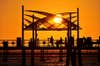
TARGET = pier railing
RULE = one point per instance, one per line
(11, 50)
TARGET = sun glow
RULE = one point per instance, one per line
(57, 19)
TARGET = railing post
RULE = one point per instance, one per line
(60, 54)
(73, 52)
(5, 53)
(80, 40)
(19, 42)
(42, 53)
(99, 50)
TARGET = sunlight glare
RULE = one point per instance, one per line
(57, 19)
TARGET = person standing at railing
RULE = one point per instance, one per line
(52, 40)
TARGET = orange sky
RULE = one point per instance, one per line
(10, 19)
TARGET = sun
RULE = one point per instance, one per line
(58, 19)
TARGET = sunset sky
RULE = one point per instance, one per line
(10, 16)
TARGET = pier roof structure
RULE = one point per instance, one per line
(46, 22)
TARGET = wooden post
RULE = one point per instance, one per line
(42, 55)
(33, 45)
(68, 47)
(98, 50)
(72, 52)
(5, 53)
(23, 48)
(60, 54)
(19, 42)
(79, 48)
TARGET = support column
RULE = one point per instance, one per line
(60, 54)
(98, 50)
(23, 48)
(5, 53)
(68, 46)
(33, 45)
(79, 49)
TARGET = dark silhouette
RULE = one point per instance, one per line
(19, 45)
(52, 40)
(68, 49)
(5, 53)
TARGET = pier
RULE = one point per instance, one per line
(69, 51)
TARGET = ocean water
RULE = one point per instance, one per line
(50, 58)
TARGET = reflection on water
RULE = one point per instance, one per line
(51, 58)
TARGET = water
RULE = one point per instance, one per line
(51, 58)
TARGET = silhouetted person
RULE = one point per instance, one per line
(84, 42)
(52, 40)
(60, 41)
(37, 42)
(66, 42)
(30, 43)
(89, 42)
(57, 43)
